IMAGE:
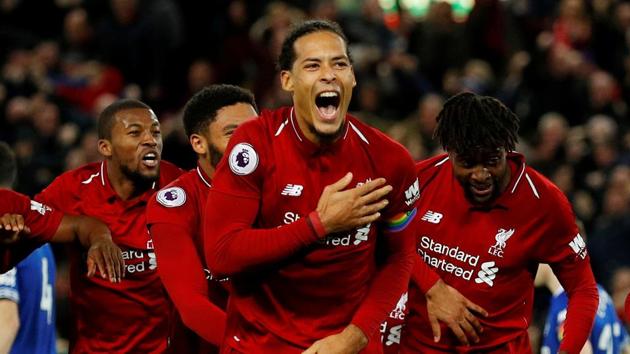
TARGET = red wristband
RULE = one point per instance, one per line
(316, 224)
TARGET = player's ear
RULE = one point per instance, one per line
(105, 147)
(199, 144)
(286, 80)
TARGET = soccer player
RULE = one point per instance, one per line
(297, 207)
(25, 225)
(27, 301)
(130, 316)
(174, 218)
(609, 335)
(486, 221)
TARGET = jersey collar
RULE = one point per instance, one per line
(203, 176)
(112, 196)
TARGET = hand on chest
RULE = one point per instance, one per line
(292, 192)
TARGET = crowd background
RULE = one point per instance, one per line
(562, 66)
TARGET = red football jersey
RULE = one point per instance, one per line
(182, 265)
(491, 254)
(41, 219)
(131, 316)
(283, 303)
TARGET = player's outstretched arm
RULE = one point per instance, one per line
(11, 227)
(446, 304)
(576, 277)
(233, 246)
(103, 254)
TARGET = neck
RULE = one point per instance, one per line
(309, 132)
(123, 186)
(206, 167)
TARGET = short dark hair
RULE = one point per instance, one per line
(106, 118)
(202, 108)
(469, 121)
(8, 165)
(287, 53)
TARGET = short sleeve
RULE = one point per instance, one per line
(9, 286)
(171, 205)
(60, 194)
(240, 172)
(40, 218)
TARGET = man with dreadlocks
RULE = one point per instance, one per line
(486, 221)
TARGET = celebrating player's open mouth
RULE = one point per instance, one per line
(327, 103)
(482, 191)
(150, 158)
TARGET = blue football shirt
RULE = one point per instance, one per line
(608, 334)
(31, 285)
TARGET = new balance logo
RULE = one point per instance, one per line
(487, 273)
(432, 217)
(292, 190)
(578, 246)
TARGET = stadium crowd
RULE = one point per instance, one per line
(562, 66)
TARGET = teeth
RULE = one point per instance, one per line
(328, 94)
(150, 156)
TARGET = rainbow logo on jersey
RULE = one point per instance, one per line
(400, 221)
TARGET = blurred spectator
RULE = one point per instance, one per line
(548, 146)
(141, 39)
(416, 132)
(439, 43)
(610, 242)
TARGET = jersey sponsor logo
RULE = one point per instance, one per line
(487, 273)
(39, 207)
(243, 159)
(392, 336)
(578, 246)
(412, 194)
(501, 241)
(432, 217)
(138, 260)
(362, 234)
(449, 254)
(171, 197)
(290, 217)
(292, 190)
